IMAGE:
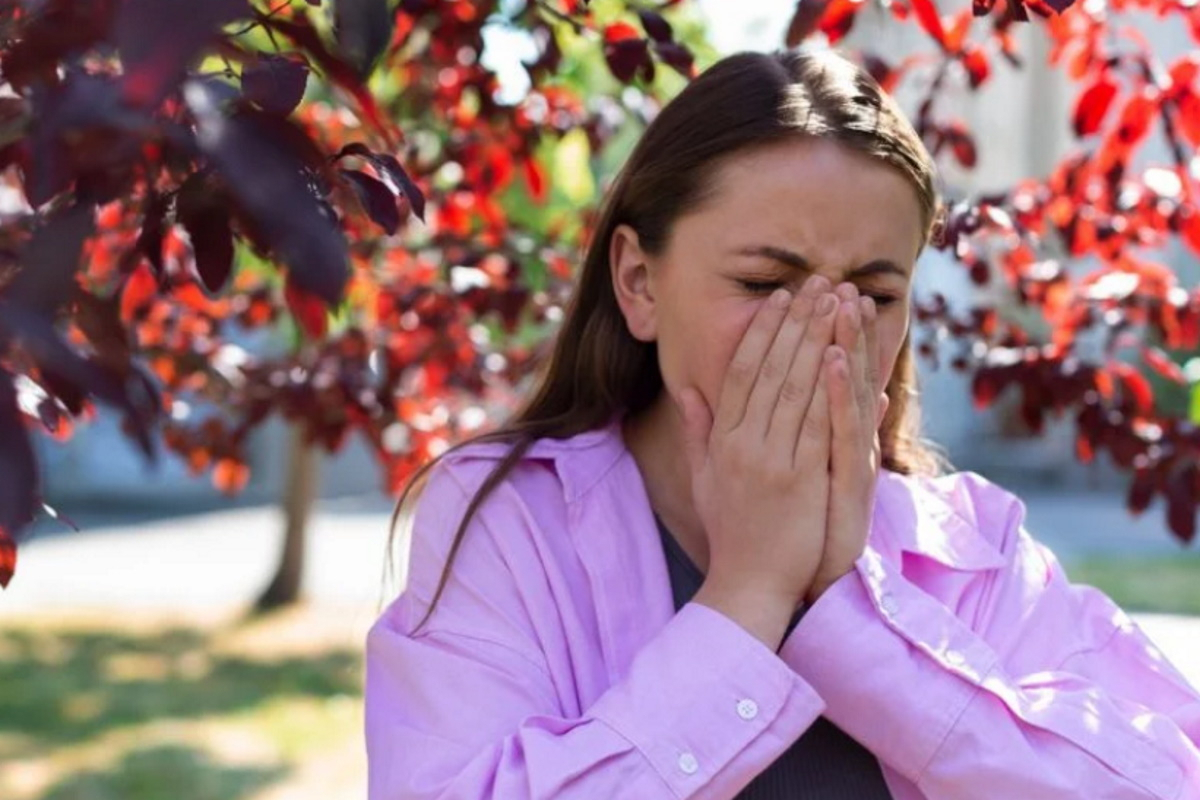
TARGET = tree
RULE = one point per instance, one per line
(212, 197)
(281, 209)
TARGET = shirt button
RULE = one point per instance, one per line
(888, 603)
(954, 657)
(747, 709)
(688, 763)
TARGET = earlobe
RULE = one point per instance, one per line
(632, 284)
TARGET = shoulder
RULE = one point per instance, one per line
(960, 518)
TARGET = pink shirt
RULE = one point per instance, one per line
(555, 666)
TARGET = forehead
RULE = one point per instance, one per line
(836, 206)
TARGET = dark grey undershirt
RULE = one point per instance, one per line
(824, 763)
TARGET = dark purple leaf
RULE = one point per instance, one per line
(271, 183)
(676, 56)
(276, 84)
(49, 261)
(54, 29)
(203, 211)
(134, 392)
(1182, 498)
(363, 29)
(20, 494)
(159, 39)
(150, 240)
(804, 20)
(625, 57)
(394, 175)
(657, 27)
(376, 198)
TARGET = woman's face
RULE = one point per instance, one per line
(777, 215)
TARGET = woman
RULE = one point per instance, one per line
(710, 557)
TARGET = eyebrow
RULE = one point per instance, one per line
(795, 260)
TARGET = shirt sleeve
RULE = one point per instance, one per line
(1044, 690)
(470, 707)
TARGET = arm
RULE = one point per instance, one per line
(1048, 691)
(469, 707)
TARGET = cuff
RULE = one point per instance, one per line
(700, 693)
(899, 699)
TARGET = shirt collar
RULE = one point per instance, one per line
(927, 516)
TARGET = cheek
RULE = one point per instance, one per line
(701, 346)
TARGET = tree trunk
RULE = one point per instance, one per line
(299, 491)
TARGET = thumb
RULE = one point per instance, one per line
(697, 425)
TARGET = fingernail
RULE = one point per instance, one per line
(867, 307)
(826, 304)
(780, 298)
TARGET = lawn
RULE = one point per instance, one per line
(96, 708)
(1163, 584)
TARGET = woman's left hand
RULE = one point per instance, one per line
(857, 405)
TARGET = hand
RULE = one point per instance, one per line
(857, 400)
(759, 468)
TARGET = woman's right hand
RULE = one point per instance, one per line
(760, 463)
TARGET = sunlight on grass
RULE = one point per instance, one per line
(1163, 584)
(183, 710)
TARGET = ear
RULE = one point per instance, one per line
(633, 283)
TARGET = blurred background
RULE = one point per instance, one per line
(192, 643)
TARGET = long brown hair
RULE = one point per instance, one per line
(597, 368)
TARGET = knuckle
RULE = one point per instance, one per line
(792, 391)
(740, 369)
(771, 370)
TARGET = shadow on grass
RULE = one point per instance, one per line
(62, 687)
(152, 773)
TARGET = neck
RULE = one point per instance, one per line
(654, 437)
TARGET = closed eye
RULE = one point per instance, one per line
(766, 287)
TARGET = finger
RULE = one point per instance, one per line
(849, 338)
(798, 393)
(859, 367)
(743, 367)
(697, 427)
(813, 440)
(870, 316)
(776, 366)
(845, 445)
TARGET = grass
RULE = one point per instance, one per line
(151, 709)
(1163, 584)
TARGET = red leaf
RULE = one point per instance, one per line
(230, 475)
(1161, 363)
(931, 21)
(976, 62)
(619, 32)
(535, 178)
(1093, 105)
(307, 309)
(139, 291)
(1135, 385)
(838, 19)
(1187, 113)
(8, 558)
